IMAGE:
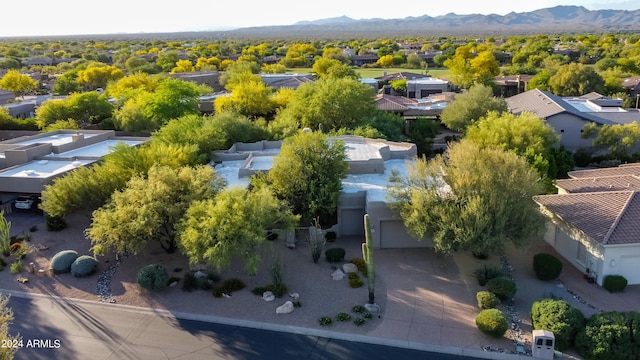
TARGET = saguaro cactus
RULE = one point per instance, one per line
(367, 254)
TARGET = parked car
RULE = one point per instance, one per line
(26, 202)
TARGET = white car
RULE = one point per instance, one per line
(25, 202)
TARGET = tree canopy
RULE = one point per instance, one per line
(470, 106)
(619, 139)
(150, 208)
(470, 198)
(575, 80)
(232, 225)
(308, 174)
(19, 83)
(85, 108)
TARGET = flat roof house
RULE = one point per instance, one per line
(29, 163)
(594, 221)
(364, 190)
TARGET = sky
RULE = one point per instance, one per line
(70, 17)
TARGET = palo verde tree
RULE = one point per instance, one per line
(470, 106)
(575, 80)
(619, 139)
(308, 174)
(150, 208)
(84, 108)
(233, 224)
(10, 342)
(470, 198)
(19, 83)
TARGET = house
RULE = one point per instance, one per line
(568, 115)
(413, 108)
(594, 221)
(209, 78)
(631, 86)
(423, 87)
(359, 60)
(29, 163)
(509, 85)
(403, 75)
(371, 163)
(21, 110)
(289, 81)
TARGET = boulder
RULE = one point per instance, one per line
(200, 274)
(294, 295)
(349, 268)
(268, 296)
(373, 308)
(337, 275)
(285, 308)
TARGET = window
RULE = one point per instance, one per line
(582, 254)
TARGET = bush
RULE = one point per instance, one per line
(189, 282)
(84, 265)
(361, 264)
(153, 277)
(334, 255)
(487, 300)
(502, 287)
(582, 157)
(325, 321)
(558, 316)
(355, 281)
(480, 255)
(228, 287)
(610, 335)
(358, 309)
(546, 266)
(492, 322)
(55, 223)
(16, 267)
(343, 316)
(359, 321)
(61, 262)
(2, 262)
(486, 273)
(19, 250)
(614, 283)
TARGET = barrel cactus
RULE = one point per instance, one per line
(84, 266)
(61, 262)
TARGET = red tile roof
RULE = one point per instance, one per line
(600, 184)
(606, 172)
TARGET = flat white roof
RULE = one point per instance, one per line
(228, 170)
(361, 151)
(96, 150)
(43, 169)
(375, 185)
(55, 139)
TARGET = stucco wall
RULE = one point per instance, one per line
(569, 127)
(622, 260)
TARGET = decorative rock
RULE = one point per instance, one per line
(200, 274)
(337, 275)
(42, 272)
(373, 308)
(173, 284)
(349, 268)
(294, 295)
(226, 295)
(32, 268)
(285, 308)
(268, 296)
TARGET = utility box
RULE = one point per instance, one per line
(543, 345)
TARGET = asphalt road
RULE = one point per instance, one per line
(60, 329)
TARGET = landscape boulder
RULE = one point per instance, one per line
(285, 308)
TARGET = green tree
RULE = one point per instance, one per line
(150, 208)
(619, 139)
(421, 132)
(308, 174)
(85, 108)
(298, 55)
(129, 86)
(575, 79)
(197, 130)
(66, 84)
(251, 98)
(467, 69)
(6, 319)
(330, 103)
(325, 67)
(390, 125)
(231, 225)
(464, 203)
(167, 60)
(540, 80)
(10, 63)
(20, 84)
(470, 106)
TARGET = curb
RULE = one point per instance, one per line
(280, 328)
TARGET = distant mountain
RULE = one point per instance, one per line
(561, 19)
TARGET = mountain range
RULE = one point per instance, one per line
(559, 19)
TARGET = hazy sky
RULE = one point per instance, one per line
(62, 17)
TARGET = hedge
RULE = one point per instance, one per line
(492, 322)
(487, 300)
(614, 283)
(503, 287)
(611, 335)
(557, 316)
(546, 266)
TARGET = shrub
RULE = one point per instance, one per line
(355, 281)
(559, 317)
(297, 304)
(61, 262)
(325, 321)
(486, 273)
(610, 335)
(367, 316)
(189, 282)
(614, 283)
(278, 287)
(358, 309)
(16, 267)
(361, 264)
(546, 266)
(492, 322)
(153, 277)
(34, 228)
(359, 321)
(487, 300)
(330, 236)
(55, 223)
(503, 287)
(2, 262)
(84, 265)
(480, 255)
(231, 285)
(343, 316)
(19, 250)
(334, 255)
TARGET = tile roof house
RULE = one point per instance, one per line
(568, 115)
(595, 221)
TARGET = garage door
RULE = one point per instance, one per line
(352, 221)
(393, 234)
(630, 269)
